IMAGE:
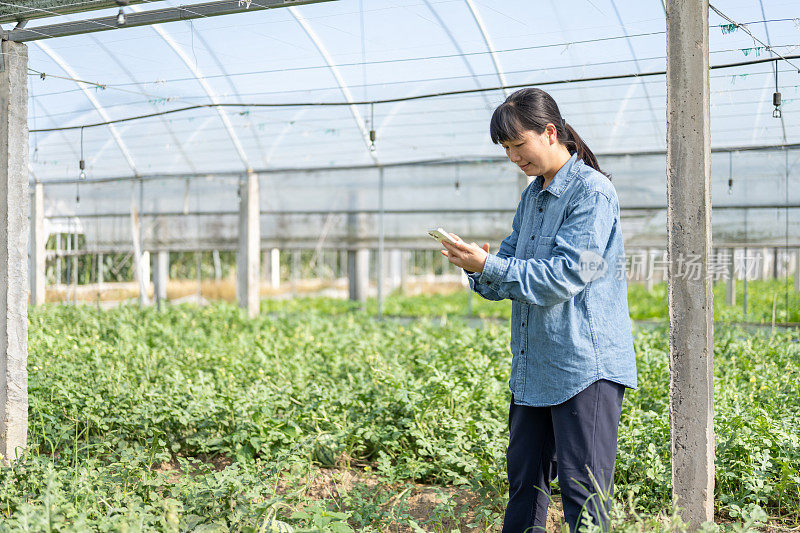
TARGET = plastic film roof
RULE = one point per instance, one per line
(342, 51)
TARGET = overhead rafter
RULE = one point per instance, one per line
(147, 18)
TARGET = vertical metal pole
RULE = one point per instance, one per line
(691, 306)
(730, 288)
(59, 253)
(380, 242)
(199, 275)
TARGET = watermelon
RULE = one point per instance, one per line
(326, 449)
(276, 526)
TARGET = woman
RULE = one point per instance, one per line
(572, 349)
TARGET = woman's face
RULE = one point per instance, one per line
(533, 152)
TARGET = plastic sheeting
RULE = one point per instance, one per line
(340, 208)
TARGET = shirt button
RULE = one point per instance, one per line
(532, 237)
(523, 324)
(522, 352)
(540, 209)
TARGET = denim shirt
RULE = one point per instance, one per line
(569, 318)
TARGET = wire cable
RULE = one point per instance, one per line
(404, 98)
(747, 30)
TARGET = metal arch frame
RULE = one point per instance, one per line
(636, 62)
(161, 117)
(458, 49)
(323, 50)
(96, 103)
(232, 85)
(167, 38)
(489, 45)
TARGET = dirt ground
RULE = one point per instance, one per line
(419, 501)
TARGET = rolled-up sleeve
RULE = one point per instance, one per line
(508, 247)
(555, 279)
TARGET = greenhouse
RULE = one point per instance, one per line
(224, 310)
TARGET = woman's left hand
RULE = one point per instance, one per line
(470, 257)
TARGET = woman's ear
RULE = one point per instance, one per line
(551, 133)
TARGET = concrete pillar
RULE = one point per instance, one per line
(358, 273)
(14, 203)
(38, 245)
(404, 256)
(797, 270)
(648, 269)
(138, 258)
(74, 271)
(395, 268)
(247, 268)
(764, 263)
(146, 274)
(161, 276)
(217, 265)
(275, 267)
(691, 304)
(747, 261)
(730, 287)
(295, 270)
(59, 250)
(775, 263)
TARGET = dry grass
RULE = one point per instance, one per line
(225, 289)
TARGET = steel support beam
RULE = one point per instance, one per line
(147, 18)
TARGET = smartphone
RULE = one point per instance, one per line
(441, 235)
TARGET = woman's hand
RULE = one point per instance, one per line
(470, 257)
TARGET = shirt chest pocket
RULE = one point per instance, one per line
(544, 247)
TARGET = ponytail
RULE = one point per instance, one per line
(575, 144)
(532, 109)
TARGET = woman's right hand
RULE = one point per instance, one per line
(456, 237)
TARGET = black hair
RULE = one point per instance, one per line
(532, 109)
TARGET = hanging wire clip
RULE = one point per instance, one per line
(776, 96)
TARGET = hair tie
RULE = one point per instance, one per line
(564, 122)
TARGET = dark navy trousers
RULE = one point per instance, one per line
(563, 440)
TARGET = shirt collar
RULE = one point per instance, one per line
(561, 179)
